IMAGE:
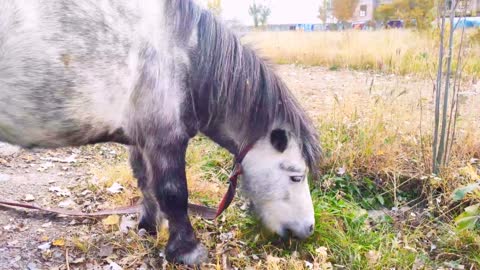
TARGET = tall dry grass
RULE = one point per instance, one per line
(391, 51)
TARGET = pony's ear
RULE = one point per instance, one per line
(279, 139)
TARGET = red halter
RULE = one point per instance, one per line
(233, 179)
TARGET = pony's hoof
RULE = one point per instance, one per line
(196, 256)
(145, 227)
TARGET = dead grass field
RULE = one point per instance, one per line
(390, 51)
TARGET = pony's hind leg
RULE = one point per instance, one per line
(167, 177)
(151, 214)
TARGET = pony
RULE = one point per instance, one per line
(152, 74)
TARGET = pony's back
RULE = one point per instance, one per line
(67, 68)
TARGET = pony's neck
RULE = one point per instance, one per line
(237, 97)
(227, 135)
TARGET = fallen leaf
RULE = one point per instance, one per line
(273, 260)
(12, 243)
(322, 252)
(66, 203)
(85, 192)
(111, 220)
(8, 227)
(45, 166)
(127, 223)
(372, 257)
(47, 225)
(59, 242)
(70, 159)
(112, 266)
(341, 171)
(78, 260)
(115, 188)
(29, 198)
(31, 266)
(226, 236)
(105, 251)
(454, 265)
(60, 192)
(44, 246)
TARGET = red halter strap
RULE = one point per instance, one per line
(233, 179)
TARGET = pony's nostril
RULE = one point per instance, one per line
(310, 229)
(287, 233)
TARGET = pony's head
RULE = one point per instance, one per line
(239, 100)
(275, 181)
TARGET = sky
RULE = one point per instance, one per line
(283, 11)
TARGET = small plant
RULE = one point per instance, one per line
(470, 218)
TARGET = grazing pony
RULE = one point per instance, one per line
(152, 74)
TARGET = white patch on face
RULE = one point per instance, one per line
(282, 204)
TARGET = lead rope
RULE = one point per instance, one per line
(195, 209)
(233, 181)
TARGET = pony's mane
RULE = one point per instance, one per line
(232, 83)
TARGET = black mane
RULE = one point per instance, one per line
(232, 83)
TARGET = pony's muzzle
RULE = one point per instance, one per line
(297, 231)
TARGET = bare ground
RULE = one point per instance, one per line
(41, 176)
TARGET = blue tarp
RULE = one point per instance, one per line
(305, 27)
(467, 22)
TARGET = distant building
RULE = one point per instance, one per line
(363, 18)
(469, 8)
(362, 15)
(304, 27)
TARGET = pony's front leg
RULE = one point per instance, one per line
(169, 183)
(151, 215)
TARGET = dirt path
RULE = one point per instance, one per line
(23, 174)
(46, 177)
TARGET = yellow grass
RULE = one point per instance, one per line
(391, 51)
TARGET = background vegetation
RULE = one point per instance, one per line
(397, 51)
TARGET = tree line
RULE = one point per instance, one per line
(258, 11)
(417, 13)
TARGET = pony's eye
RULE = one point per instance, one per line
(296, 178)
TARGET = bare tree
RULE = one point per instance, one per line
(445, 97)
(259, 13)
(323, 12)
